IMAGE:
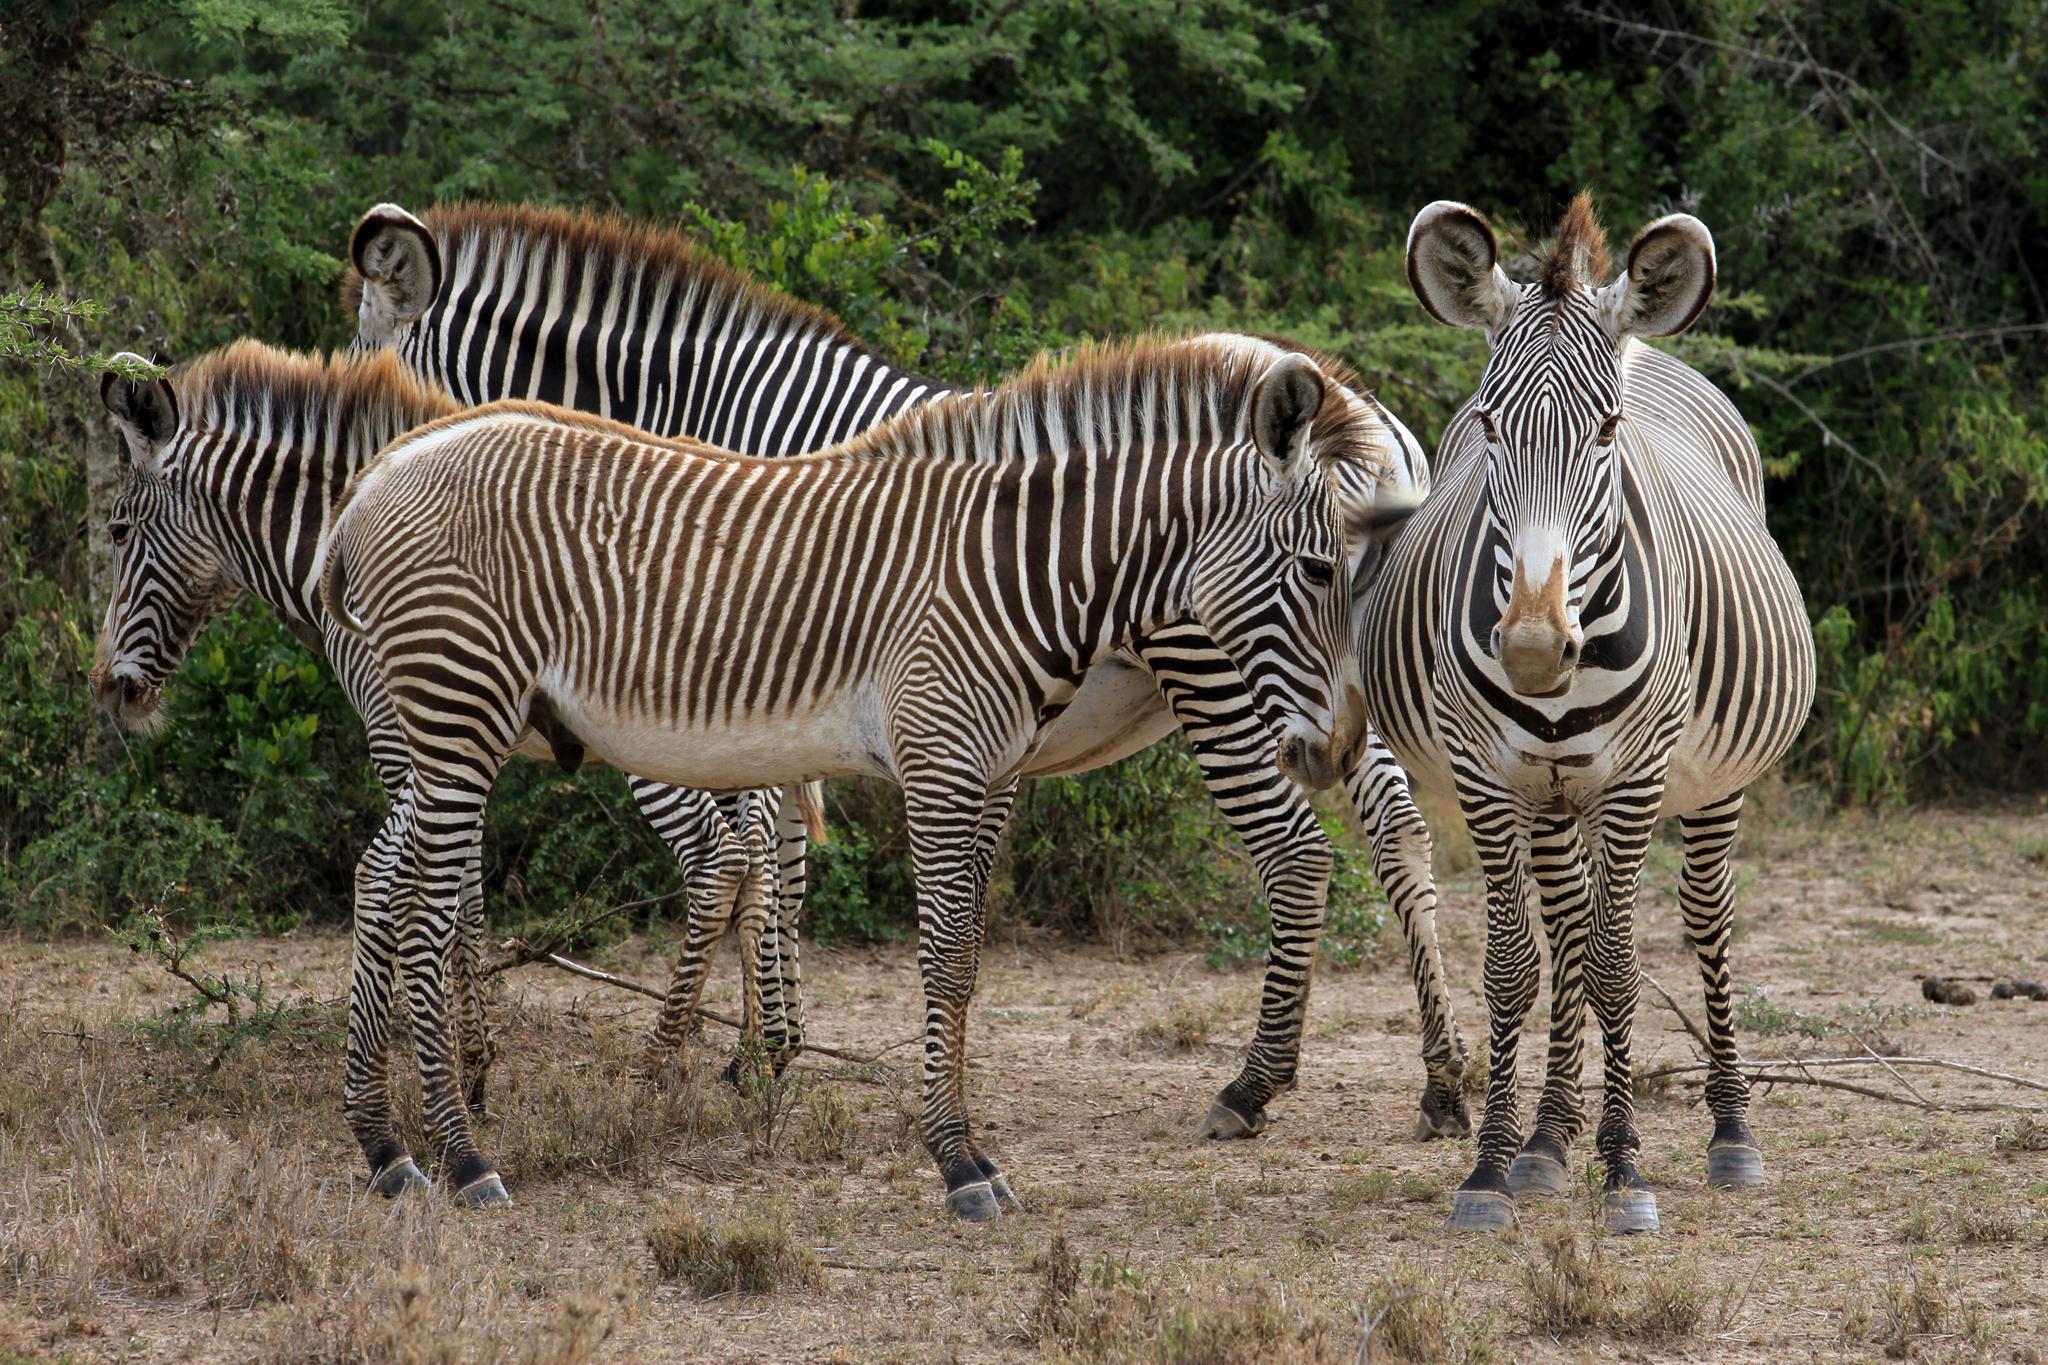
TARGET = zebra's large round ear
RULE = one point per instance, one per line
(398, 269)
(1669, 279)
(1283, 410)
(1454, 267)
(146, 411)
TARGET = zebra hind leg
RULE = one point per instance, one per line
(478, 1048)
(366, 1095)
(1707, 899)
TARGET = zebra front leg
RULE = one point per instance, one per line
(1557, 864)
(1620, 837)
(1401, 848)
(943, 817)
(1707, 899)
(1234, 750)
(1485, 1202)
(366, 1090)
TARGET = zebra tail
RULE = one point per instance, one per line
(334, 588)
(810, 803)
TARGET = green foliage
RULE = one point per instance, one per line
(964, 185)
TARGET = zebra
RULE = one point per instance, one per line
(1587, 626)
(915, 603)
(631, 322)
(236, 465)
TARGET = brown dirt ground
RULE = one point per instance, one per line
(1882, 1225)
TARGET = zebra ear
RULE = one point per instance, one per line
(399, 265)
(1454, 267)
(1283, 409)
(1669, 279)
(146, 411)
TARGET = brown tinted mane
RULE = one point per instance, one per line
(613, 243)
(1579, 256)
(235, 385)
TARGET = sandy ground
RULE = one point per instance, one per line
(1884, 1229)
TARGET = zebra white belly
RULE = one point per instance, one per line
(839, 738)
(1115, 712)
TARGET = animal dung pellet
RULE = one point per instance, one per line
(1942, 991)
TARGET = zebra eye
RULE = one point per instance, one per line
(119, 531)
(1318, 571)
(1606, 434)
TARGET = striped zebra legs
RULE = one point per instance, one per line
(473, 1026)
(1557, 863)
(1234, 749)
(408, 891)
(713, 858)
(781, 965)
(1484, 1203)
(1706, 898)
(1401, 848)
(946, 816)
(1618, 838)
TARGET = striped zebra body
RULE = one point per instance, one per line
(1587, 627)
(630, 322)
(887, 608)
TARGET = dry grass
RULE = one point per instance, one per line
(1915, 1311)
(1183, 1028)
(1416, 1316)
(753, 1254)
(1565, 1283)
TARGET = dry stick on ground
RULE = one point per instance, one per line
(1774, 1071)
(627, 984)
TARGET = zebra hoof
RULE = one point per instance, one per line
(1480, 1211)
(1537, 1174)
(1442, 1120)
(401, 1177)
(484, 1192)
(1222, 1123)
(999, 1185)
(1627, 1211)
(974, 1203)
(1733, 1166)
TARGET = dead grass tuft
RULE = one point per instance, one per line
(754, 1254)
(1183, 1028)
(2025, 1133)
(1565, 1282)
(1972, 1217)
(1116, 1317)
(1913, 1307)
(1414, 1316)
(827, 1126)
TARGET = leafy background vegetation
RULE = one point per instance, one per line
(965, 184)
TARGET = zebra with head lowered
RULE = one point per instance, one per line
(915, 603)
(1586, 627)
(235, 465)
(630, 322)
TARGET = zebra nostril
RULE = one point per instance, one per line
(1493, 643)
(129, 689)
(1569, 657)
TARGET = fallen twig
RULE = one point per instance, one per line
(1698, 1035)
(522, 952)
(1810, 1063)
(575, 968)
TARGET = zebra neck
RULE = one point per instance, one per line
(274, 487)
(678, 352)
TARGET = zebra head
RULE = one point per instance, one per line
(397, 275)
(1549, 409)
(170, 577)
(1270, 589)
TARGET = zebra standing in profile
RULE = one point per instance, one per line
(630, 322)
(915, 604)
(1586, 627)
(235, 466)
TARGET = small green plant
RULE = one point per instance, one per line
(249, 1009)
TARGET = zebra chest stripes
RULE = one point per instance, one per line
(1121, 491)
(631, 322)
(1588, 627)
